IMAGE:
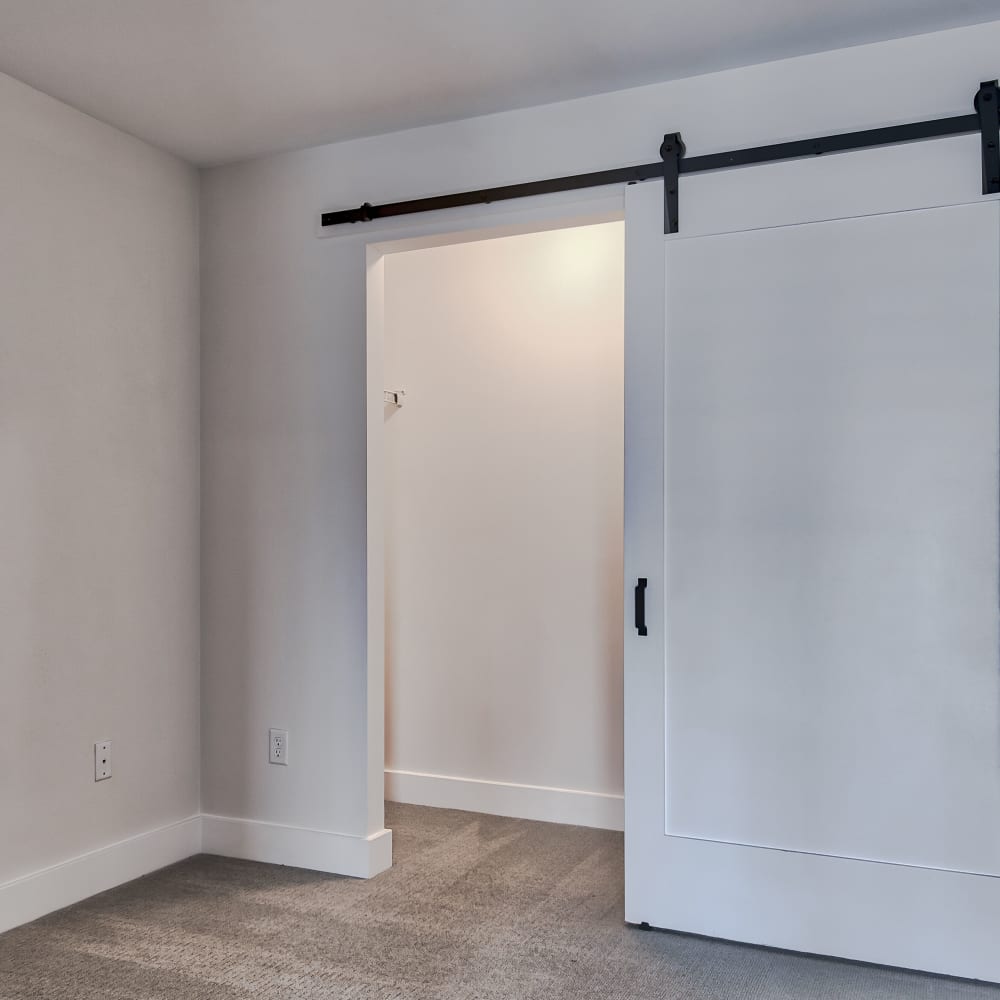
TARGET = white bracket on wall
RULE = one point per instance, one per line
(394, 396)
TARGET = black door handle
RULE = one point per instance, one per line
(640, 606)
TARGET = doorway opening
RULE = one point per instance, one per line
(496, 480)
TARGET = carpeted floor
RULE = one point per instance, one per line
(475, 908)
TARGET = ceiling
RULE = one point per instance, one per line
(220, 80)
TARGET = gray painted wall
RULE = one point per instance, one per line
(99, 483)
(503, 522)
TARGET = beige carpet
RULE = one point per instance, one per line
(475, 908)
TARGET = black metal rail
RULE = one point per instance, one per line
(600, 178)
(673, 162)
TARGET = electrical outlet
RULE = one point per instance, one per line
(279, 746)
(102, 760)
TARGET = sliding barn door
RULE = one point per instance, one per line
(812, 737)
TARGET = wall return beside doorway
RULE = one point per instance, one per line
(673, 162)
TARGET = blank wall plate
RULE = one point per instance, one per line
(102, 760)
(279, 746)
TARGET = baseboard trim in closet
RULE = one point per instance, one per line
(502, 798)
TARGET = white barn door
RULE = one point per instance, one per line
(813, 718)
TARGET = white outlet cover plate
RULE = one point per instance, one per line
(278, 743)
(102, 760)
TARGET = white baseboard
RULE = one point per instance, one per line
(39, 893)
(34, 895)
(501, 798)
(298, 847)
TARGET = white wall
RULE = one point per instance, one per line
(503, 524)
(99, 488)
(284, 377)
